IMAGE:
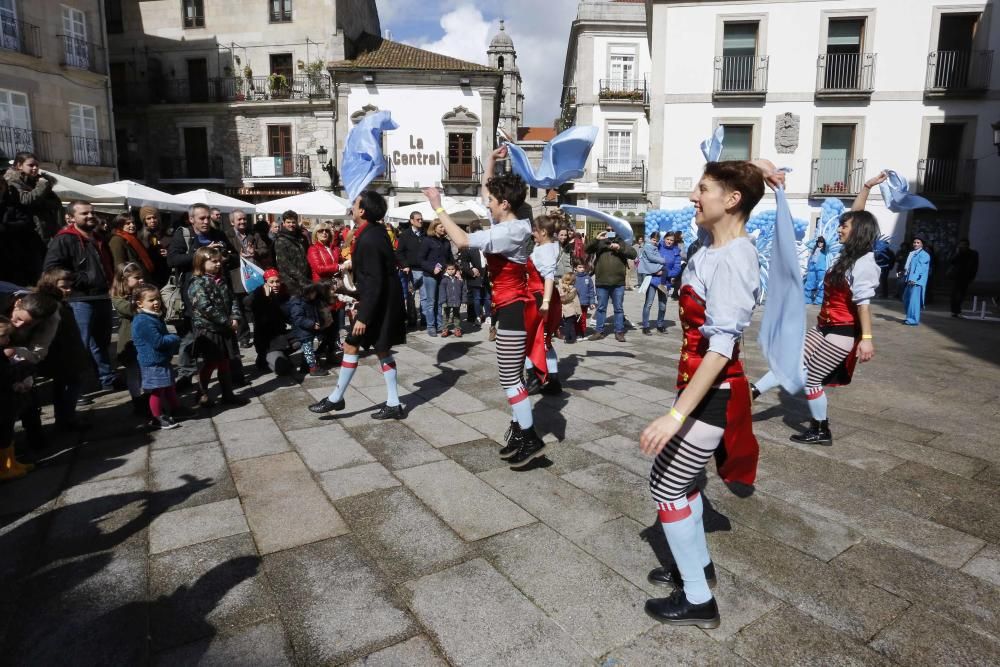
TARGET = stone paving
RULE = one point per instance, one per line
(266, 535)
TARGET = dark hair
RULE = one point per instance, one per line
(413, 213)
(201, 256)
(821, 239)
(373, 204)
(121, 220)
(510, 188)
(314, 291)
(864, 232)
(50, 279)
(71, 207)
(23, 157)
(41, 303)
(135, 296)
(475, 226)
(547, 224)
(742, 177)
(654, 235)
(290, 215)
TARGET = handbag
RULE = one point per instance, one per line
(173, 300)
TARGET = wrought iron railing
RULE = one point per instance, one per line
(182, 169)
(845, 73)
(240, 89)
(741, 75)
(85, 151)
(837, 177)
(14, 140)
(958, 71)
(19, 36)
(945, 176)
(80, 54)
(388, 175)
(621, 171)
(291, 166)
(466, 173)
(624, 90)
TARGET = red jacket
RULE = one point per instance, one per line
(324, 261)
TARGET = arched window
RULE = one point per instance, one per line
(500, 62)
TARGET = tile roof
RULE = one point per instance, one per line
(536, 134)
(381, 53)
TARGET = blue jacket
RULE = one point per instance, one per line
(650, 260)
(304, 315)
(919, 268)
(671, 264)
(817, 260)
(153, 345)
(585, 289)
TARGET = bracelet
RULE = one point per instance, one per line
(866, 337)
(675, 413)
(439, 209)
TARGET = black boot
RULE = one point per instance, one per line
(676, 610)
(532, 383)
(754, 392)
(531, 447)
(551, 388)
(671, 576)
(229, 397)
(818, 433)
(513, 439)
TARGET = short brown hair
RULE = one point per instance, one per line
(547, 224)
(510, 188)
(201, 256)
(742, 177)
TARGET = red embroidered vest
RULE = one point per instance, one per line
(510, 280)
(838, 307)
(695, 345)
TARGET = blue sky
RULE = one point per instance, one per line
(463, 29)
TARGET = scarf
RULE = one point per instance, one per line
(138, 249)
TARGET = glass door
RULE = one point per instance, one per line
(15, 124)
(619, 153)
(83, 134)
(77, 50)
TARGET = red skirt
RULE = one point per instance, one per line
(540, 331)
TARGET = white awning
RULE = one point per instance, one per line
(101, 198)
(461, 211)
(214, 199)
(139, 195)
(318, 203)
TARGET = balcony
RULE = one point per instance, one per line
(939, 177)
(462, 178)
(740, 77)
(277, 169)
(78, 54)
(19, 36)
(14, 140)
(845, 75)
(958, 73)
(88, 152)
(567, 115)
(181, 170)
(628, 91)
(834, 177)
(239, 89)
(623, 172)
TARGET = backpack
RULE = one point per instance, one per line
(171, 294)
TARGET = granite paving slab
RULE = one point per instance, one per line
(438, 427)
(684, 646)
(985, 565)
(287, 407)
(928, 455)
(921, 637)
(476, 456)
(623, 452)
(347, 482)
(328, 447)
(395, 445)
(262, 644)
(252, 438)
(128, 458)
(619, 489)
(168, 468)
(418, 651)
(192, 525)
(190, 432)
(254, 410)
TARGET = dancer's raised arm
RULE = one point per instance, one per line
(862, 198)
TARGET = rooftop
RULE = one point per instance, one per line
(379, 53)
(536, 134)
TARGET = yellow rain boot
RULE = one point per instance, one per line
(9, 466)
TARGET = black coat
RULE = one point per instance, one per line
(180, 255)
(468, 259)
(270, 321)
(409, 248)
(436, 250)
(21, 248)
(380, 294)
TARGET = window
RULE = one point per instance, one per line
(738, 143)
(194, 13)
(76, 48)
(10, 37)
(196, 158)
(281, 11)
(844, 52)
(619, 151)
(621, 64)
(943, 164)
(739, 56)
(955, 56)
(459, 155)
(113, 16)
(83, 134)
(279, 143)
(836, 157)
(15, 124)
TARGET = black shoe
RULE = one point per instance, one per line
(283, 366)
(183, 382)
(671, 576)
(754, 391)
(646, 331)
(326, 405)
(676, 610)
(596, 336)
(261, 364)
(84, 401)
(818, 433)
(531, 447)
(389, 412)
(532, 384)
(513, 439)
(620, 337)
(318, 372)
(165, 422)
(661, 329)
(551, 388)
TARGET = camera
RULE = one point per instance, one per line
(610, 235)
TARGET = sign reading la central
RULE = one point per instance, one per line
(416, 156)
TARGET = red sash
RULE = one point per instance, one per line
(540, 329)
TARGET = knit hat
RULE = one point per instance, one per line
(146, 211)
(271, 273)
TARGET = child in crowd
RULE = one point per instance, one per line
(13, 375)
(587, 292)
(127, 277)
(68, 360)
(215, 318)
(153, 349)
(310, 316)
(570, 307)
(543, 314)
(452, 293)
(268, 305)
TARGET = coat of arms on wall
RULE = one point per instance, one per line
(786, 133)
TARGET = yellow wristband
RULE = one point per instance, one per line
(677, 415)
(439, 209)
(866, 337)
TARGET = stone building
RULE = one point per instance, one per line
(230, 95)
(503, 56)
(54, 97)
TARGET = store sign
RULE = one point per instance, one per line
(266, 166)
(416, 155)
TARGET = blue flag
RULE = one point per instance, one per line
(711, 148)
(563, 159)
(783, 329)
(251, 275)
(896, 194)
(622, 229)
(363, 161)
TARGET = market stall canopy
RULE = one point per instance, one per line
(221, 202)
(102, 199)
(139, 195)
(462, 212)
(318, 203)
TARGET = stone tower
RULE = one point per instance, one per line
(503, 57)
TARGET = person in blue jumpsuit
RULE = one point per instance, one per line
(816, 270)
(917, 271)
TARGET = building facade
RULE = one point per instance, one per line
(230, 95)
(605, 84)
(503, 56)
(54, 95)
(837, 90)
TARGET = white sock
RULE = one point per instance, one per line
(527, 363)
(817, 404)
(767, 383)
(347, 367)
(551, 362)
(389, 374)
(683, 533)
(520, 406)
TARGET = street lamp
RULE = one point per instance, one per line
(996, 135)
(325, 164)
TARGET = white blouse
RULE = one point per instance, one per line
(864, 278)
(545, 258)
(509, 239)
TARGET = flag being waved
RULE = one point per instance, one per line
(251, 275)
(363, 161)
(563, 159)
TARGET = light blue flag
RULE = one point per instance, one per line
(783, 329)
(563, 159)
(251, 275)
(363, 161)
(711, 148)
(896, 194)
(623, 230)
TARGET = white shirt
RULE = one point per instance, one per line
(728, 279)
(545, 258)
(864, 278)
(509, 239)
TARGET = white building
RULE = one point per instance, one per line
(836, 90)
(605, 84)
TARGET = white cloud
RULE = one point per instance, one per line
(466, 35)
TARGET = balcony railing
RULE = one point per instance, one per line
(836, 177)
(79, 54)
(181, 169)
(19, 36)
(14, 140)
(741, 76)
(958, 72)
(463, 173)
(569, 95)
(239, 89)
(845, 74)
(91, 152)
(624, 90)
(621, 171)
(288, 166)
(946, 177)
(388, 176)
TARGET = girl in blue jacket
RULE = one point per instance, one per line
(917, 270)
(154, 348)
(816, 270)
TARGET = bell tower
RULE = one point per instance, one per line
(503, 57)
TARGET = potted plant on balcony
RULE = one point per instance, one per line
(317, 82)
(278, 84)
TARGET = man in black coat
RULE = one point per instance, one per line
(962, 269)
(381, 319)
(409, 248)
(472, 263)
